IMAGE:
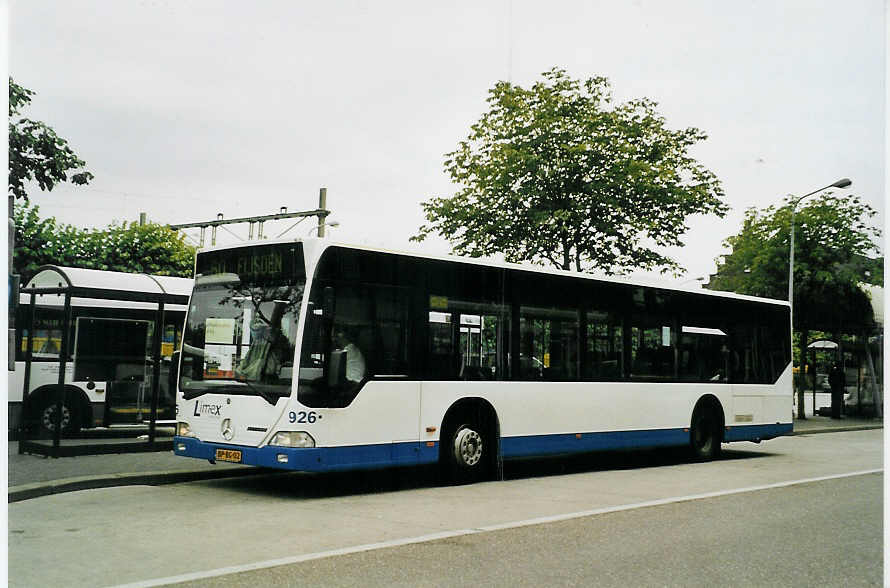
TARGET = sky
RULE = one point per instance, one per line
(185, 109)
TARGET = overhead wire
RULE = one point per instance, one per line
(291, 227)
(229, 231)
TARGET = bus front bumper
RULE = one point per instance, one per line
(315, 459)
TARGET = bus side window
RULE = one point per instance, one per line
(704, 354)
(47, 334)
(391, 332)
(467, 340)
(652, 348)
(548, 344)
(604, 347)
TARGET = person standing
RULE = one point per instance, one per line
(836, 381)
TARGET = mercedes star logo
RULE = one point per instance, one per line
(227, 431)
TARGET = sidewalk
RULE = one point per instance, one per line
(820, 424)
(31, 476)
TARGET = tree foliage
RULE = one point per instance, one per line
(559, 174)
(832, 243)
(36, 153)
(127, 247)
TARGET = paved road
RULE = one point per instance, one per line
(130, 534)
(800, 535)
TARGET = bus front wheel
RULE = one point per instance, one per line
(467, 450)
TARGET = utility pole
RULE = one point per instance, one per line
(321, 212)
(322, 205)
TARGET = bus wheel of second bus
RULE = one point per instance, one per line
(705, 435)
(46, 412)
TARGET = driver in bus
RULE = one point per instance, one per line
(344, 338)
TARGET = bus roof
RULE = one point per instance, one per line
(315, 246)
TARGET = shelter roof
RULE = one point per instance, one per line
(82, 281)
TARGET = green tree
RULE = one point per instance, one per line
(38, 241)
(36, 152)
(127, 247)
(832, 243)
(559, 174)
(131, 247)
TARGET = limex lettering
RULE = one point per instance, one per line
(211, 409)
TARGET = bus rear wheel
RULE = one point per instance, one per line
(704, 435)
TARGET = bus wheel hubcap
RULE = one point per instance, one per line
(49, 417)
(467, 447)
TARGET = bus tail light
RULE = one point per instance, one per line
(292, 439)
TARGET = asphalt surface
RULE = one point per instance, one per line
(31, 476)
(705, 542)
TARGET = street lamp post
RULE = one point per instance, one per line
(320, 228)
(842, 183)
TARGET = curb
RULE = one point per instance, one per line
(158, 478)
(38, 489)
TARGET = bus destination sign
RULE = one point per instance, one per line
(254, 264)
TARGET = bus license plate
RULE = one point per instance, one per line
(228, 455)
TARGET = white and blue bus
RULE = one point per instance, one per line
(317, 356)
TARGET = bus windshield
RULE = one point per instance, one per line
(241, 330)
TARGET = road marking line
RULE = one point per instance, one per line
(483, 529)
(672, 500)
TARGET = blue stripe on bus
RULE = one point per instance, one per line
(756, 432)
(581, 442)
(322, 459)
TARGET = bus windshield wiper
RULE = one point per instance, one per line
(268, 397)
(190, 394)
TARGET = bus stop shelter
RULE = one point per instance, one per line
(97, 292)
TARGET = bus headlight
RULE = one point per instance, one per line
(292, 439)
(183, 430)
